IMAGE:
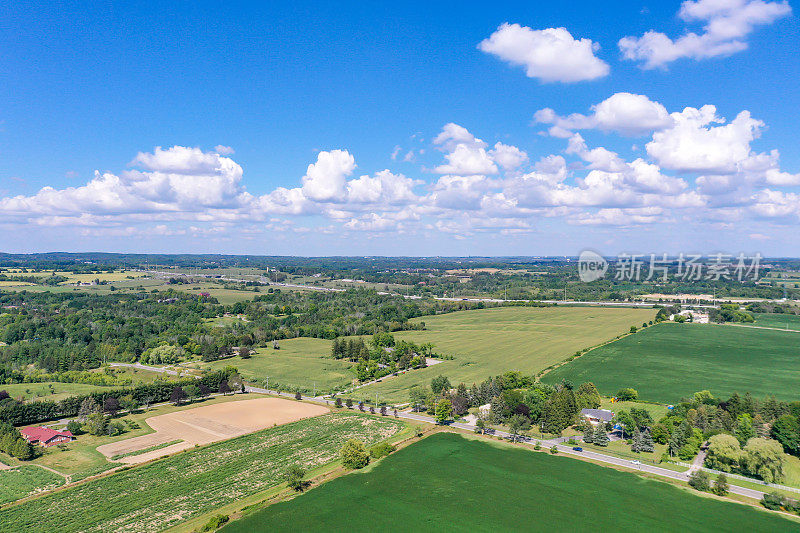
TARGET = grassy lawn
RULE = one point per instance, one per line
(478, 486)
(26, 480)
(169, 491)
(488, 342)
(656, 410)
(299, 363)
(778, 320)
(670, 361)
(49, 390)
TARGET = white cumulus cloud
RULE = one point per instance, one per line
(550, 55)
(726, 25)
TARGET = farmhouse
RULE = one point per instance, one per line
(46, 436)
(596, 416)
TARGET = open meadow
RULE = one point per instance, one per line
(481, 486)
(169, 491)
(670, 361)
(54, 391)
(297, 364)
(488, 342)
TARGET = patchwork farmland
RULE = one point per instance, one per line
(169, 491)
(489, 342)
(204, 425)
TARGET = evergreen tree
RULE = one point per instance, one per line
(600, 436)
(559, 411)
(647, 442)
(588, 434)
(678, 438)
(636, 445)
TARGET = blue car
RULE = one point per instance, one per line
(577, 448)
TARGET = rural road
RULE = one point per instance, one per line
(547, 443)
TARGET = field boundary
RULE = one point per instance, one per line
(585, 351)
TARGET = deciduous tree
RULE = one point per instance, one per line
(354, 455)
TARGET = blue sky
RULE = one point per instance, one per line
(317, 129)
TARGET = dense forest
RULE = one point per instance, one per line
(59, 332)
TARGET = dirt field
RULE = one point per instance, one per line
(204, 425)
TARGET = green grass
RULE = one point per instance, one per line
(449, 483)
(488, 342)
(48, 390)
(146, 450)
(657, 411)
(166, 492)
(26, 480)
(778, 320)
(298, 364)
(670, 361)
(138, 375)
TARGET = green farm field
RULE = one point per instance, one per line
(480, 486)
(48, 390)
(488, 342)
(26, 480)
(297, 364)
(670, 361)
(778, 320)
(172, 490)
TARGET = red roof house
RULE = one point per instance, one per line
(46, 436)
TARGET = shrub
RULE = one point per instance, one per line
(382, 450)
(554, 450)
(627, 394)
(699, 480)
(772, 500)
(215, 522)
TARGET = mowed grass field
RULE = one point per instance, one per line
(450, 483)
(297, 364)
(670, 361)
(169, 491)
(488, 342)
(49, 390)
(778, 320)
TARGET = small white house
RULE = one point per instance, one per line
(485, 410)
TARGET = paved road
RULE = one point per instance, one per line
(548, 443)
